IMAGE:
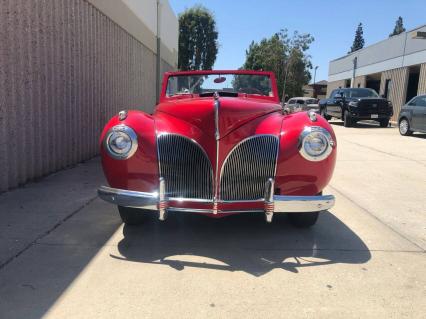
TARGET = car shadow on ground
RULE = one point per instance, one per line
(241, 243)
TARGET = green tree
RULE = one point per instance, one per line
(359, 39)
(286, 56)
(399, 27)
(198, 45)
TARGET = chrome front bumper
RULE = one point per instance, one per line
(270, 205)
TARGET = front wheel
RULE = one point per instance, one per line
(303, 220)
(132, 216)
(324, 115)
(347, 120)
(384, 123)
(404, 127)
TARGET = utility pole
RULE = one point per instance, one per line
(285, 78)
(355, 62)
(158, 61)
(315, 76)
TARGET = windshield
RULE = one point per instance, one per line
(208, 84)
(360, 93)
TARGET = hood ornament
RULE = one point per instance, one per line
(216, 115)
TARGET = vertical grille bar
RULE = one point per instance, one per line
(247, 168)
(185, 167)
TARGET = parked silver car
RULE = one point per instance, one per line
(299, 104)
(412, 117)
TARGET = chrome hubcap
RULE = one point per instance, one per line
(403, 126)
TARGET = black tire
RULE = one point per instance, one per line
(404, 127)
(347, 119)
(303, 220)
(324, 115)
(384, 123)
(132, 216)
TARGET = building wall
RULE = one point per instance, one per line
(65, 69)
(334, 85)
(422, 80)
(361, 81)
(398, 51)
(398, 91)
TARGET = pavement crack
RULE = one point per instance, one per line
(376, 218)
(47, 232)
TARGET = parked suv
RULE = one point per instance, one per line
(413, 116)
(356, 104)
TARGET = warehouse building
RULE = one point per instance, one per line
(66, 67)
(395, 68)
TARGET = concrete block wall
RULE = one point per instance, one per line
(65, 69)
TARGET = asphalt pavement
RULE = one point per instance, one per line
(65, 254)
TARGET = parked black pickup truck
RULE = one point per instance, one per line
(356, 104)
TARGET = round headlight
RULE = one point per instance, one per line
(315, 143)
(121, 142)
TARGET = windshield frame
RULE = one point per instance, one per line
(271, 75)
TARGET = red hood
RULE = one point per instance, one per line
(233, 112)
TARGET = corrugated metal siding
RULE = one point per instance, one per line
(422, 80)
(65, 69)
(398, 91)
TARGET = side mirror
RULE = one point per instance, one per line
(383, 96)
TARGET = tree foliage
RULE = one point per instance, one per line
(286, 56)
(198, 45)
(399, 27)
(359, 39)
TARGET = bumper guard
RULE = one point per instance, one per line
(272, 204)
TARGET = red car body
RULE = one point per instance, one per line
(217, 124)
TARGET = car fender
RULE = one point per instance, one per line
(140, 171)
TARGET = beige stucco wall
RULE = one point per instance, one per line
(398, 91)
(65, 69)
(334, 85)
(422, 80)
(361, 80)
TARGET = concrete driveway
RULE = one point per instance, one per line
(65, 253)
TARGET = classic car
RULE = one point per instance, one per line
(412, 117)
(299, 104)
(218, 144)
(356, 104)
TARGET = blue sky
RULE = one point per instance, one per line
(331, 22)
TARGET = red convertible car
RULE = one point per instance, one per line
(218, 143)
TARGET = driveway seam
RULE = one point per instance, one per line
(376, 218)
(41, 236)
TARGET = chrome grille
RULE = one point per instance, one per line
(247, 168)
(185, 167)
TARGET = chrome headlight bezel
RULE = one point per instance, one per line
(117, 131)
(321, 134)
(353, 104)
